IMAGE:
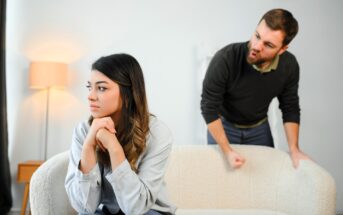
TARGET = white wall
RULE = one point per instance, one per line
(172, 41)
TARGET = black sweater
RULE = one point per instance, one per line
(234, 89)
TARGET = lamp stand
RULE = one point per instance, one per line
(46, 124)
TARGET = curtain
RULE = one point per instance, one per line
(5, 176)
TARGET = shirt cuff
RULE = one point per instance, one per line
(210, 117)
(291, 118)
(119, 172)
(94, 176)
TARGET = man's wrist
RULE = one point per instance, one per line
(227, 149)
(293, 149)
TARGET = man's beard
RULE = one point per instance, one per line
(257, 61)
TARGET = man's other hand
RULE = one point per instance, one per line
(235, 160)
(298, 155)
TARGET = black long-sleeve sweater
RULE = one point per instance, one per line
(234, 89)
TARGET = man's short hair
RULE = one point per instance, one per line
(280, 19)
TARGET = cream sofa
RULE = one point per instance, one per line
(200, 182)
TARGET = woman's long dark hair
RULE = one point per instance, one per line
(133, 125)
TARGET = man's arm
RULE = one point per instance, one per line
(289, 104)
(217, 131)
(292, 134)
(214, 88)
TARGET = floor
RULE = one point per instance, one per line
(18, 213)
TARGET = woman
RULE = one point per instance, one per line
(118, 158)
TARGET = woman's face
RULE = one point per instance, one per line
(104, 96)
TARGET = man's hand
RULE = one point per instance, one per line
(235, 160)
(298, 155)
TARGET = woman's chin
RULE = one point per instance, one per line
(97, 115)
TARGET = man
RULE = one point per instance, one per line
(241, 81)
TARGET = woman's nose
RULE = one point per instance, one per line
(92, 95)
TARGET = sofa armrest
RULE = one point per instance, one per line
(47, 192)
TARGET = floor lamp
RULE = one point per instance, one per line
(45, 75)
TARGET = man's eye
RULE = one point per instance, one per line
(88, 87)
(257, 36)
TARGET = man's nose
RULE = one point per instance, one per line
(258, 46)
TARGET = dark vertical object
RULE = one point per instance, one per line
(5, 176)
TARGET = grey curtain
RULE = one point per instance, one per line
(5, 176)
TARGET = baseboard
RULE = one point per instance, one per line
(16, 211)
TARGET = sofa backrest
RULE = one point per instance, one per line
(199, 177)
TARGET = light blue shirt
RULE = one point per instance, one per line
(133, 193)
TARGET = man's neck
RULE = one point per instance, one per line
(264, 65)
(268, 65)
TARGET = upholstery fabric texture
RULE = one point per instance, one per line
(200, 182)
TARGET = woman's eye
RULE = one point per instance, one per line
(88, 87)
(101, 89)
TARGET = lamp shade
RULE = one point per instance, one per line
(48, 74)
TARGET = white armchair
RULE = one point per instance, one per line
(47, 192)
(200, 182)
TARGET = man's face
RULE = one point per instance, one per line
(264, 45)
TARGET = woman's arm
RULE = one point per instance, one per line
(83, 189)
(109, 142)
(136, 193)
(83, 181)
